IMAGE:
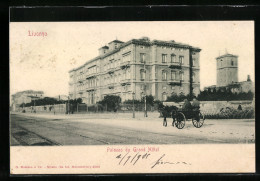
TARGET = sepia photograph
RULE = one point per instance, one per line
(132, 88)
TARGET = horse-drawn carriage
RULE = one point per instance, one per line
(180, 116)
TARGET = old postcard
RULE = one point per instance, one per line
(132, 97)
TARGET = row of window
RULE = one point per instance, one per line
(173, 58)
(175, 75)
(162, 47)
(231, 62)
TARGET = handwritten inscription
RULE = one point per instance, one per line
(161, 162)
(127, 158)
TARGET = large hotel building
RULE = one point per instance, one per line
(136, 68)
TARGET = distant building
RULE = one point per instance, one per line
(25, 97)
(61, 97)
(136, 68)
(227, 70)
(227, 76)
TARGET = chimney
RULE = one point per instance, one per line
(248, 78)
(103, 50)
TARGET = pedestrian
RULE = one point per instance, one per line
(164, 114)
(173, 114)
(239, 107)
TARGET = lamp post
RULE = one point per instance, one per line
(34, 107)
(68, 104)
(133, 105)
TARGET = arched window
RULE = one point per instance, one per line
(142, 74)
(173, 75)
(181, 75)
(173, 58)
(193, 62)
(181, 58)
(232, 62)
(164, 96)
(164, 58)
(142, 57)
(164, 75)
(128, 73)
(193, 76)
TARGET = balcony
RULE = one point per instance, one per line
(80, 92)
(111, 70)
(125, 82)
(124, 65)
(89, 89)
(174, 65)
(111, 86)
(91, 75)
(174, 82)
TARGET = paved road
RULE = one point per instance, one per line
(33, 130)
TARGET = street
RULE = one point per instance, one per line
(111, 129)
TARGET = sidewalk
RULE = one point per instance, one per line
(112, 115)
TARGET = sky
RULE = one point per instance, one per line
(42, 63)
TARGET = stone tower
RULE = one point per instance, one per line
(227, 69)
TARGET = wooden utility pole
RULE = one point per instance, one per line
(133, 105)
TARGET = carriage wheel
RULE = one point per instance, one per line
(198, 121)
(180, 120)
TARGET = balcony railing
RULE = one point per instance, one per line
(174, 82)
(80, 92)
(124, 65)
(111, 86)
(111, 70)
(125, 82)
(174, 65)
(90, 89)
(88, 76)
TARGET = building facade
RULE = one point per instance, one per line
(227, 69)
(25, 97)
(227, 76)
(136, 68)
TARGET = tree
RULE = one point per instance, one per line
(149, 100)
(177, 98)
(224, 95)
(130, 101)
(111, 102)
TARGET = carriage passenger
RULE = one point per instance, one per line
(187, 105)
(195, 104)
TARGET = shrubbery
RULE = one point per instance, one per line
(230, 113)
(50, 101)
(225, 95)
(111, 102)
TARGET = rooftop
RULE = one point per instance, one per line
(142, 41)
(226, 55)
(106, 47)
(116, 41)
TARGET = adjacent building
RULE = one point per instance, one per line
(25, 97)
(227, 76)
(136, 68)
